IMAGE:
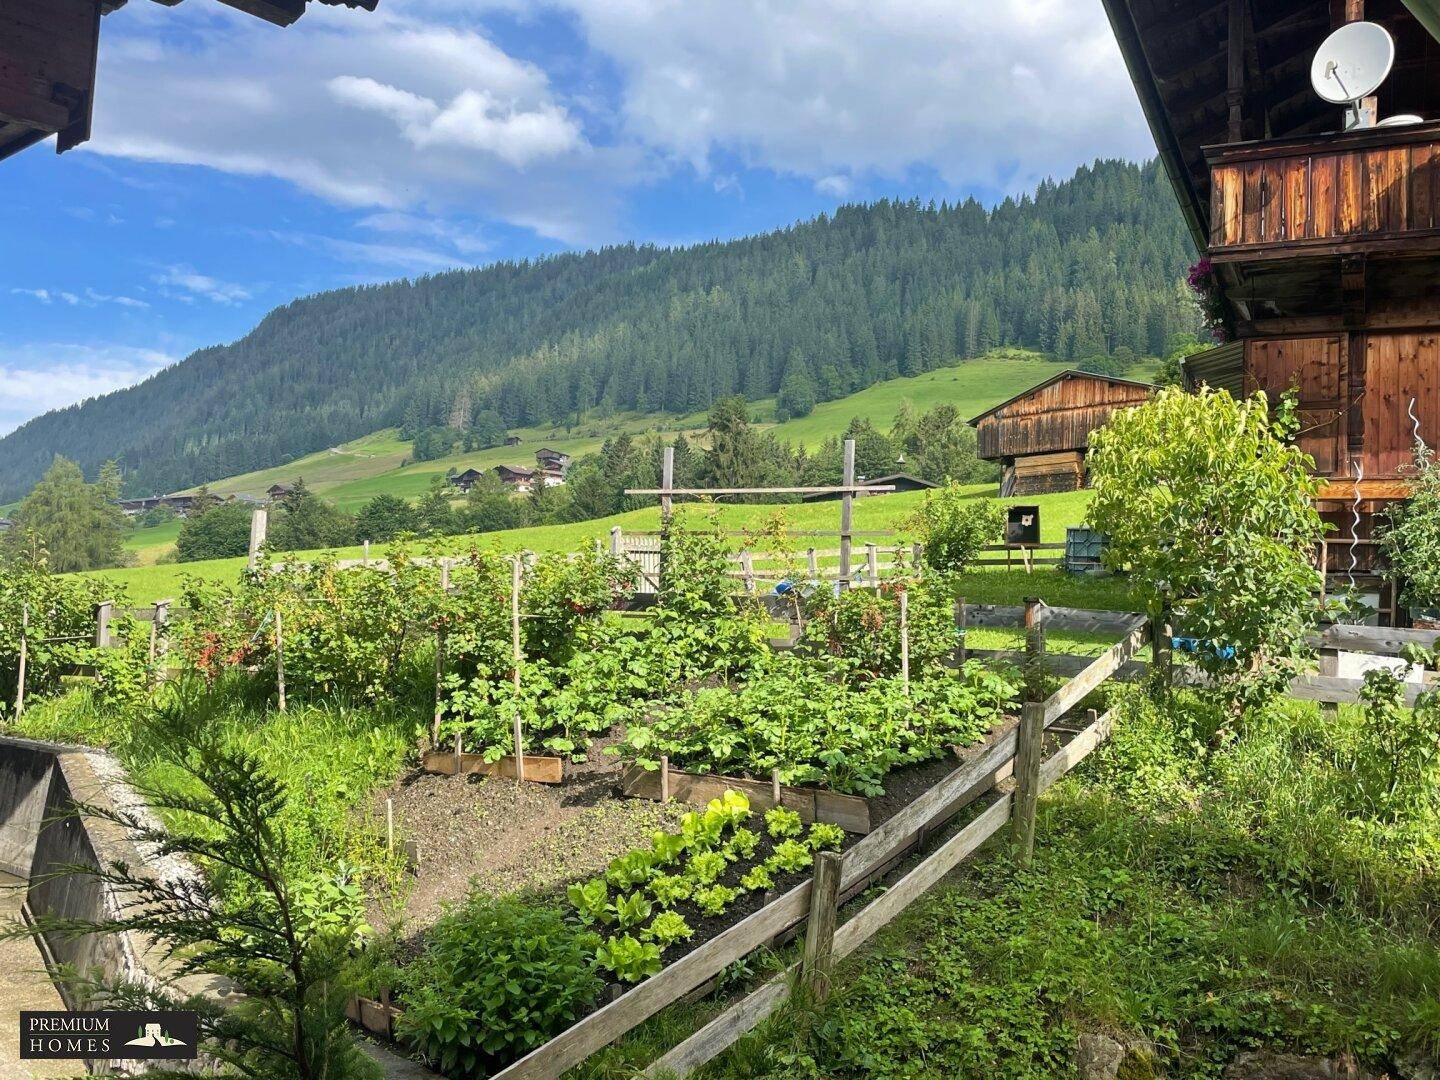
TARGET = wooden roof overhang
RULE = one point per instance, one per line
(1210, 72)
(1068, 373)
(48, 52)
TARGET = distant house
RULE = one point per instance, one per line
(277, 492)
(467, 479)
(1040, 436)
(552, 460)
(181, 504)
(899, 481)
(135, 507)
(512, 440)
(6, 523)
(517, 477)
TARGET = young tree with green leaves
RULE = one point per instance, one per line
(220, 532)
(1209, 505)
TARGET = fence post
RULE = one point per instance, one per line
(104, 612)
(847, 508)
(365, 553)
(905, 639)
(1034, 644)
(279, 661)
(515, 659)
(24, 657)
(963, 652)
(160, 618)
(747, 568)
(917, 552)
(1028, 748)
(872, 565)
(812, 562)
(820, 933)
(1162, 653)
(667, 506)
(259, 522)
(1329, 665)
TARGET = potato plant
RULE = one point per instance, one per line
(819, 727)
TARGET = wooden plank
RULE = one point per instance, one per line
(1343, 691)
(539, 770)
(1029, 747)
(819, 956)
(1078, 688)
(1089, 620)
(637, 1005)
(850, 812)
(894, 834)
(1379, 640)
(1323, 173)
(1348, 212)
(1296, 201)
(1250, 231)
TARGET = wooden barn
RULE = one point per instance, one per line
(1323, 242)
(48, 52)
(1039, 437)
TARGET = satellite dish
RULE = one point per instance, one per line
(1402, 120)
(1352, 63)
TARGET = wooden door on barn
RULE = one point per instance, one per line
(1315, 368)
(1401, 378)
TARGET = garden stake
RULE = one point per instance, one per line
(279, 661)
(664, 778)
(24, 655)
(820, 933)
(515, 658)
(775, 785)
(905, 640)
(962, 653)
(390, 826)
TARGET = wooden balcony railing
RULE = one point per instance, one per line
(1371, 190)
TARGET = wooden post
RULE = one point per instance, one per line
(775, 785)
(160, 618)
(917, 554)
(1034, 640)
(820, 933)
(279, 661)
(664, 778)
(24, 657)
(905, 639)
(872, 565)
(459, 751)
(1329, 665)
(104, 612)
(515, 656)
(390, 826)
(847, 509)
(365, 556)
(812, 563)
(1162, 653)
(963, 652)
(259, 522)
(747, 568)
(667, 507)
(439, 688)
(1028, 750)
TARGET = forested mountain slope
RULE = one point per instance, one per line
(830, 306)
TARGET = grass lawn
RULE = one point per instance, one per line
(375, 464)
(148, 544)
(147, 583)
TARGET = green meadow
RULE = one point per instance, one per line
(147, 583)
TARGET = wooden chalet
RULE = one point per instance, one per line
(552, 460)
(512, 440)
(467, 479)
(48, 52)
(1324, 243)
(279, 492)
(515, 476)
(1039, 436)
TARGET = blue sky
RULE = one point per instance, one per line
(235, 165)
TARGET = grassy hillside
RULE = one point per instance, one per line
(144, 584)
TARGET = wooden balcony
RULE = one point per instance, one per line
(1375, 191)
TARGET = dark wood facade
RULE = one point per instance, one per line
(48, 51)
(1039, 437)
(1324, 243)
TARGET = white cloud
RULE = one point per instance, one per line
(464, 123)
(43, 295)
(834, 185)
(38, 377)
(192, 283)
(992, 92)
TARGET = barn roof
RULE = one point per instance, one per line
(1179, 58)
(1068, 373)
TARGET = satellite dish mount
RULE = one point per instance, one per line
(1350, 66)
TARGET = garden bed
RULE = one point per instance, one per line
(850, 812)
(538, 769)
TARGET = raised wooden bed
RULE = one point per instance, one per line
(376, 1017)
(538, 770)
(850, 812)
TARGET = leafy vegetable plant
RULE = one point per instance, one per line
(629, 959)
